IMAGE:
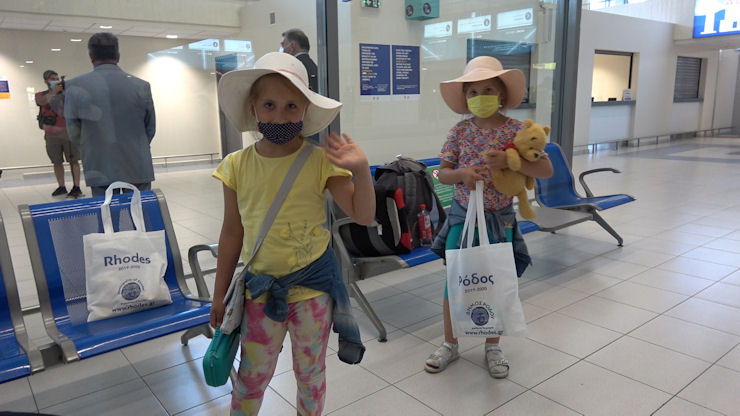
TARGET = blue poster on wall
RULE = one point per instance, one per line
(4, 88)
(406, 71)
(375, 71)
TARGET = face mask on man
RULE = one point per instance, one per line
(52, 84)
(483, 106)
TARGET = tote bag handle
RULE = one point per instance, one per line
(137, 214)
(475, 212)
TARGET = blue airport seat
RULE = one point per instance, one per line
(431, 161)
(54, 235)
(527, 227)
(559, 191)
(18, 356)
(419, 255)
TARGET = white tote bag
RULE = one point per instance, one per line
(482, 285)
(124, 270)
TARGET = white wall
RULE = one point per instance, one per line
(671, 11)
(184, 96)
(719, 88)
(653, 79)
(609, 122)
(736, 112)
(654, 74)
(729, 60)
(685, 117)
(198, 15)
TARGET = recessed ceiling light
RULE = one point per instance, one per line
(106, 27)
(22, 66)
(171, 36)
(55, 49)
(75, 40)
(29, 62)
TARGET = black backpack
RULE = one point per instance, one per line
(400, 188)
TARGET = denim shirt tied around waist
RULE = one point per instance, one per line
(496, 221)
(322, 275)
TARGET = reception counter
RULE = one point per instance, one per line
(610, 120)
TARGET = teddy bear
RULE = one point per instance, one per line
(529, 143)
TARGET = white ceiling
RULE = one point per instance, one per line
(125, 28)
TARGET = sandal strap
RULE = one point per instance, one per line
(440, 353)
(498, 363)
(496, 352)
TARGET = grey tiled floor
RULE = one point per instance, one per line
(652, 327)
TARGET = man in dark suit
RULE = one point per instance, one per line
(110, 116)
(295, 42)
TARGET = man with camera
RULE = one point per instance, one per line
(58, 145)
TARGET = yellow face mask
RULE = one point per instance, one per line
(483, 106)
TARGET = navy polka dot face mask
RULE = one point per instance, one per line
(280, 133)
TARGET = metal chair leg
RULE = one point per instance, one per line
(365, 305)
(602, 222)
(191, 333)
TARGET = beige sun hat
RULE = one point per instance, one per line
(478, 69)
(234, 87)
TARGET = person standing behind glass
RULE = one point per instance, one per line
(295, 42)
(110, 115)
(58, 145)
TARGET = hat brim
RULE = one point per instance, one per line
(513, 79)
(234, 87)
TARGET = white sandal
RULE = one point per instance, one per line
(439, 359)
(498, 366)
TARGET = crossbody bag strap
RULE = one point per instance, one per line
(272, 212)
(282, 193)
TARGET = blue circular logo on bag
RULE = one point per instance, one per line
(479, 315)
(131, 290)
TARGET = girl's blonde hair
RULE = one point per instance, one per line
(259, 85)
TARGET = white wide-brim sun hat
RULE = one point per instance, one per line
(478, 69)
(234, 87)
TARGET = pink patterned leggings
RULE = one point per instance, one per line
(309, 324)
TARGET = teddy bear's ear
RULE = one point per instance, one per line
(528, 123)
(546, 129)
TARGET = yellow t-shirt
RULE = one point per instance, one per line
(298, 236)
